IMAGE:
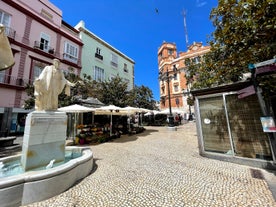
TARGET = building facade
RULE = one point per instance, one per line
(37, 35)
(102, 61)
(172, 69)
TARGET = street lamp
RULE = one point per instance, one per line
(168, 79)
(188, 93)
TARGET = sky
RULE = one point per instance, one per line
(137, 28)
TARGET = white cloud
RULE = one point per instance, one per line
(200, 3)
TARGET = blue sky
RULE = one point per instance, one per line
(136, 28)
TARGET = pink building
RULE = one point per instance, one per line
(37, 35)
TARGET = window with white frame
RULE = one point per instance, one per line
(5, 18)
(114, 60)
(98, 74)
(70, 52)
(44, 42)
(98, 51)
(2, 76)
(176, 88)
(125, 68)
(175, 76)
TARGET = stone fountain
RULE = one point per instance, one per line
(43, 146)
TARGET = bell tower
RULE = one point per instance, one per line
(167, 52)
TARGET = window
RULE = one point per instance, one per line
(114, 60)
(98, 74)
(5, 18)
(197, 60)
(125, 68)
(98, 51)
(162, 89)
(2, 76)
(44, 42)
(170, 52)
(98, 54)
(37, 71)
(176, 88)
(175, 77)
(70, 52)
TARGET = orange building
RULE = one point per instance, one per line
(172, 68)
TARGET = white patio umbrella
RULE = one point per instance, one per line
(167, 111)
(76, 109)
(153, 112)
(110, 110)
(131, 110)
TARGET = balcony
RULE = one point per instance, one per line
(12, 80)
(9, 32)
(44, 47)
(70, 58)
(98, 56)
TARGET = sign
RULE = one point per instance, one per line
(268, 124)
(246, 92)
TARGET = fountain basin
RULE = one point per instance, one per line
(34, 186)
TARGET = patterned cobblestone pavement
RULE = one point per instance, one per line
(163, 168)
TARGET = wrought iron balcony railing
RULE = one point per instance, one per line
(98, 56)
(12, 80)
(44, 47)
(70, 58)
(9, 32)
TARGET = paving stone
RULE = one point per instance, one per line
(163, 168)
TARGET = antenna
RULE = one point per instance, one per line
(185, 28)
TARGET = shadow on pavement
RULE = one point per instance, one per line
(133, 137)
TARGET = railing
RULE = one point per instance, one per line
(99, 56)
(12, 80)
(9, 32)
(44, 47)
(70, 58)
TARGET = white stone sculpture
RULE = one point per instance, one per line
(6, 56)
(48, 86)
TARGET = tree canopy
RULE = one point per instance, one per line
(114, 91)
(245, 32)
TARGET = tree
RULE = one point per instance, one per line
(141, 97)
(245, 32)
(30, 102)
(113, 92)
